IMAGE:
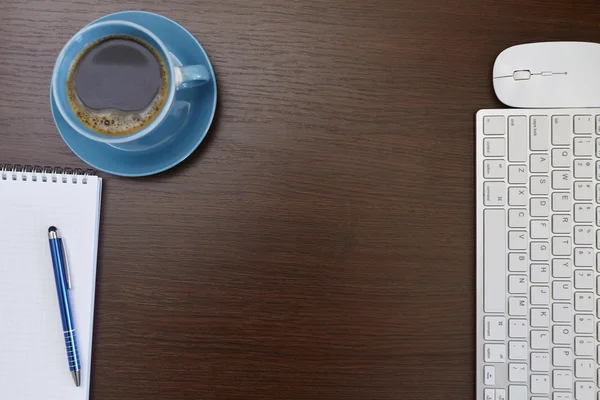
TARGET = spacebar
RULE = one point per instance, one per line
(494, 261)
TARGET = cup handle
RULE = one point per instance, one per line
(190, 76)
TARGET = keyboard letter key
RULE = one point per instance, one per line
(561, 180)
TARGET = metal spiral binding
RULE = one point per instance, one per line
(44, 174)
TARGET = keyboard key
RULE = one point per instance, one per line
(539, 207)
(561, 158)
(562, 379)
(597, 216)
(494, 328)
(517, 218)
(494, 352)
(584, 234)
(562, 334)
(585, 346)
(517, 350)
(517, 240)
(540, 317)
(561, 396)
(583, 124)
(540, 384)
(584, 212)
(540, 273)
(561, 290)
(539, 133)
(539, 163)
(561, 130)
(584, 257)
(539, 185)
(501, 394)
(561, 180)
(561, 268)
(597, 169)
(517, 328)
(597, 148)
(494, 147)
(517, 392)
(584, 279)
(517, 139)
(540, 362)
(517, 284)
(517, 306)
(517, 262)
(489, 375)
(494, 193)
(494, 268)
(562, 312)
(494, 169)
(540, 340)
(584, 301)
(584, 324)
(540, 251)
(583, 169)
(540, 295)
(489, 394)
(583, 147)
(517, 372)
(583, 190)
(517, 174)
(561, 246)
(494, 125)
(562, 357)
(517, 196)
(539, 229)
(584, 368)
(562, 223)
(562, 201)
(585, 390)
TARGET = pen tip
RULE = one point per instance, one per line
(52, 229)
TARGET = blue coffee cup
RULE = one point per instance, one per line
(179, 77)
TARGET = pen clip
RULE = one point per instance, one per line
(67, 271)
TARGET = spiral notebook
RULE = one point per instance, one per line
(33, 359)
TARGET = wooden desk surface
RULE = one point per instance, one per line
(320, 243)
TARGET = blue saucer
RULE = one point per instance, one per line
(197, 107)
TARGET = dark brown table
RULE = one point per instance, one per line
(320, 243)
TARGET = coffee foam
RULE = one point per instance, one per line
(113, 121)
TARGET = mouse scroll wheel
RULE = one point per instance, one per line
(522, 75)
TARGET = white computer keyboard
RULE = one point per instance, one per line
(538, 174)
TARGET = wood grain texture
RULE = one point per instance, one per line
(320, 243)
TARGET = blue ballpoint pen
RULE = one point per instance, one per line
(63, 284)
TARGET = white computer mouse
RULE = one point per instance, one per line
(549, 75)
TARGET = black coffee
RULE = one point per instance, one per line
(117, 85)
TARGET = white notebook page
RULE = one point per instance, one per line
(33, 359)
